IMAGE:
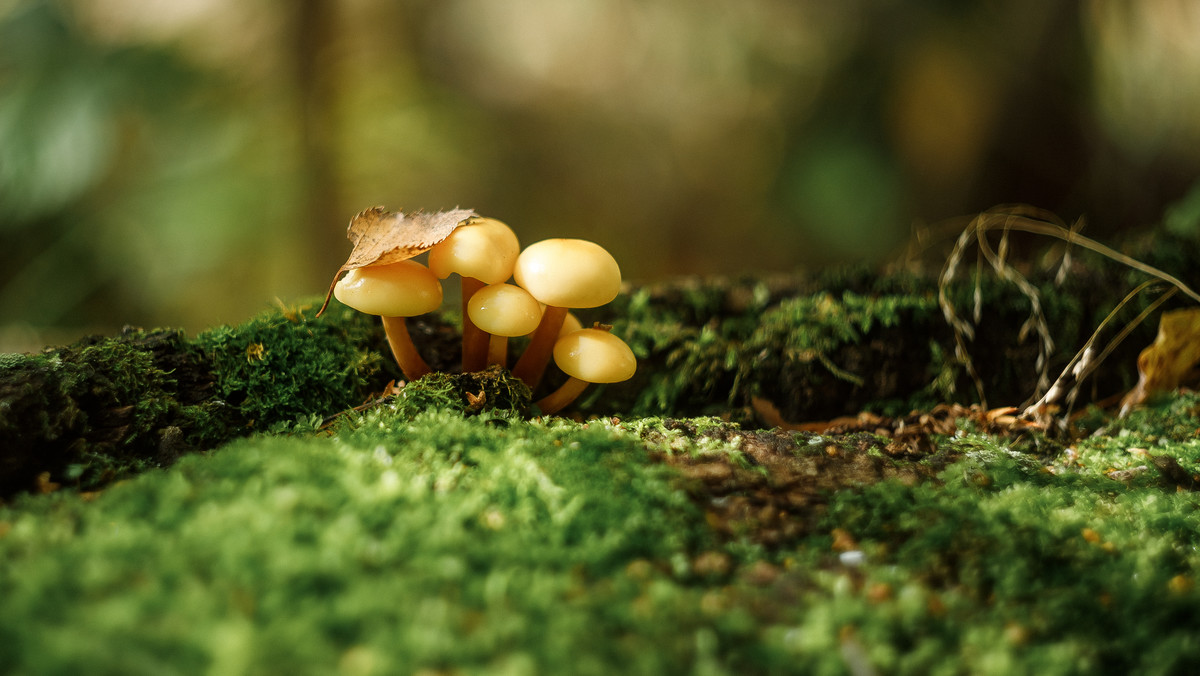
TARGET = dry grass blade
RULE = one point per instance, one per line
(1066, 387)
(1039, 222)
(998, 259)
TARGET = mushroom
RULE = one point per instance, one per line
(562, 273)
(394, 292)
(503, 310)
(588, 356)
(482, 251)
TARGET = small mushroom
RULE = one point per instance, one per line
(563, 274)
(588, 356)
(394, 292)
(482, 251)
(503, 310)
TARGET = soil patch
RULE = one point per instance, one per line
(772, 486)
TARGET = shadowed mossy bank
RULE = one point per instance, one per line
(106, 407)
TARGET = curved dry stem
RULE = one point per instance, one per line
(1093, 245)
(564, 395)
(1038, 222)
(533, 361)
(998, 259)
(1086, 360)
(403, 350)
(474, 339)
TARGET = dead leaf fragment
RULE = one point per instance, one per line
(843, 541)
(381, 237)
(45, 485)
(1170, 360)
(475, 402)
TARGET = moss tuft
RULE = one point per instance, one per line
(287, 364)
(494, 390)
(439, 543)
(787, 353)
(100, 409)
(1069, 570)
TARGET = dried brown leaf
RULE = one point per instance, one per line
(382, 237)
(1170, 360)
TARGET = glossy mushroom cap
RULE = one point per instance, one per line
(504, 310)
(404, 289)
(483, 249)
(568, 273)
(595, 356)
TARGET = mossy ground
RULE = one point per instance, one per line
(396, 541)
(312, 526)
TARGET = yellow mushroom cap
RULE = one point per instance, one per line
(568, 273)
(504, 310)
(404, 289)
(595, 356)
(484, 249)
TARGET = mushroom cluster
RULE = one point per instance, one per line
(506, 292)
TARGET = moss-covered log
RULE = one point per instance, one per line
(821, 346)
(816, 346)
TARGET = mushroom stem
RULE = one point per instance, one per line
(567, 393)
(475, 340)
(403, 350)
(533, 361)
(498, 351)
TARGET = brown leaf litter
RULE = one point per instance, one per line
(775, 488)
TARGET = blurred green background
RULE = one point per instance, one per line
(183, 163)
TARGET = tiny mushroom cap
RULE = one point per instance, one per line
(504, 310)
(568, 273)
(562, 273)
(394, 291)
(483, 249)
(588, 356)
(404, 289)
(595, 356)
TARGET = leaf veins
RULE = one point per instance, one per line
(382, 237)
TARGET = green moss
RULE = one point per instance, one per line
(414, 539)
(1063, 572)
(440, 543)
(768, 352)
(105, 408)
(811, 330)
(689, 436)
(95, 411)
(286, 364)
(494, 390)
